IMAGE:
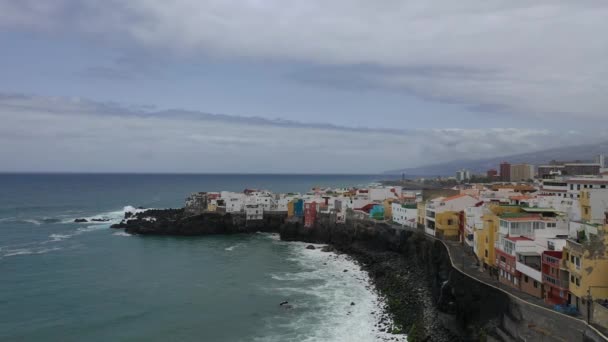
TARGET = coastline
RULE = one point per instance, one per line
(408, 293)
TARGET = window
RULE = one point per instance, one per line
(602, 187)
(526, 279)
(486, 253)
(578, 187)
(571, 186)
(503, 259)
(450, 222)
(551, 224)
(535, 284)
(572, 279)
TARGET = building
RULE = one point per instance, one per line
(486, 237)
(405, 214)
(444, 216)
(492, 174)
(507, 247)
(254, 212)
(298, 208)
(421, 215)
(377, 212)
(555, 278)
(586, 259)
(577, 168)
(528, 267)
(573, 169)
(593, 203)
(601, 160)
(463, 175)
(505, 172)
(521, 172)
(310, 214)
(196, 203)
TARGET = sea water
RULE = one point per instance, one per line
(66, 281)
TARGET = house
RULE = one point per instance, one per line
(485, 238)
(377, 212)
(310, 214)
(586, 259)
(404, 214)
(254, 212)
(507, 248)
(593, 204)
(555, 278)
(529, 269)
(196, 203)
(444, 216)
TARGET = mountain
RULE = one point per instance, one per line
(581, 152)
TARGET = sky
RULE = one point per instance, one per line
(284, 86)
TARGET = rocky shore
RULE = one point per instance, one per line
(409, 271)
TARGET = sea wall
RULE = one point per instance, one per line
(414, 272)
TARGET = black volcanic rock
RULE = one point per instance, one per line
(310, 247)
(80, 220)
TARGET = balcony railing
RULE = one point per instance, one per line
(564, 284)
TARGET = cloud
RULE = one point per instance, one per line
(60, 134)
(541, 58)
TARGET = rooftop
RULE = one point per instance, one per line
(519, 238)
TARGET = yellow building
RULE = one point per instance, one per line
(388, 207)
(212, 207)
(421, 213)
(585, 204)
(486, 237)
(447, 224)
(291, 208)
(587, 263)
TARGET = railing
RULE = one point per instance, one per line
(564, 284)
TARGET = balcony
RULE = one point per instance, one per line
(564, 284)
(530, 271)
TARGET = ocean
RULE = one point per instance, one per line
(66, 281)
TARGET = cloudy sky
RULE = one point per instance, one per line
(313, 86)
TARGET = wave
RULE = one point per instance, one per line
(111, 216)
(26, 251)
(231, 248)
(322, 294)
(121, 234)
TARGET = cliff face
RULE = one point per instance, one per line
(412, 271)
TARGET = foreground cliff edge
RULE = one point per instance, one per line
(423, 291)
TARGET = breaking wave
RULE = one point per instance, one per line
(334, 300)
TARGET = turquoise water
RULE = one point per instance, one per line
(62, 281)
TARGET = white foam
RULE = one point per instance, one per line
(231, 248)
(122, 234)
(331, 291)
(111, 216)
(27, 251)
(59, 237)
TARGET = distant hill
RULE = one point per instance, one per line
(580, 152)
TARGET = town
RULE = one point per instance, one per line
(537, 230)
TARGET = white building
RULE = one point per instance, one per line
(379, 194)
(456, 203)
(404, 214)
(473, 222)
(463, 175)
(254, 212)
